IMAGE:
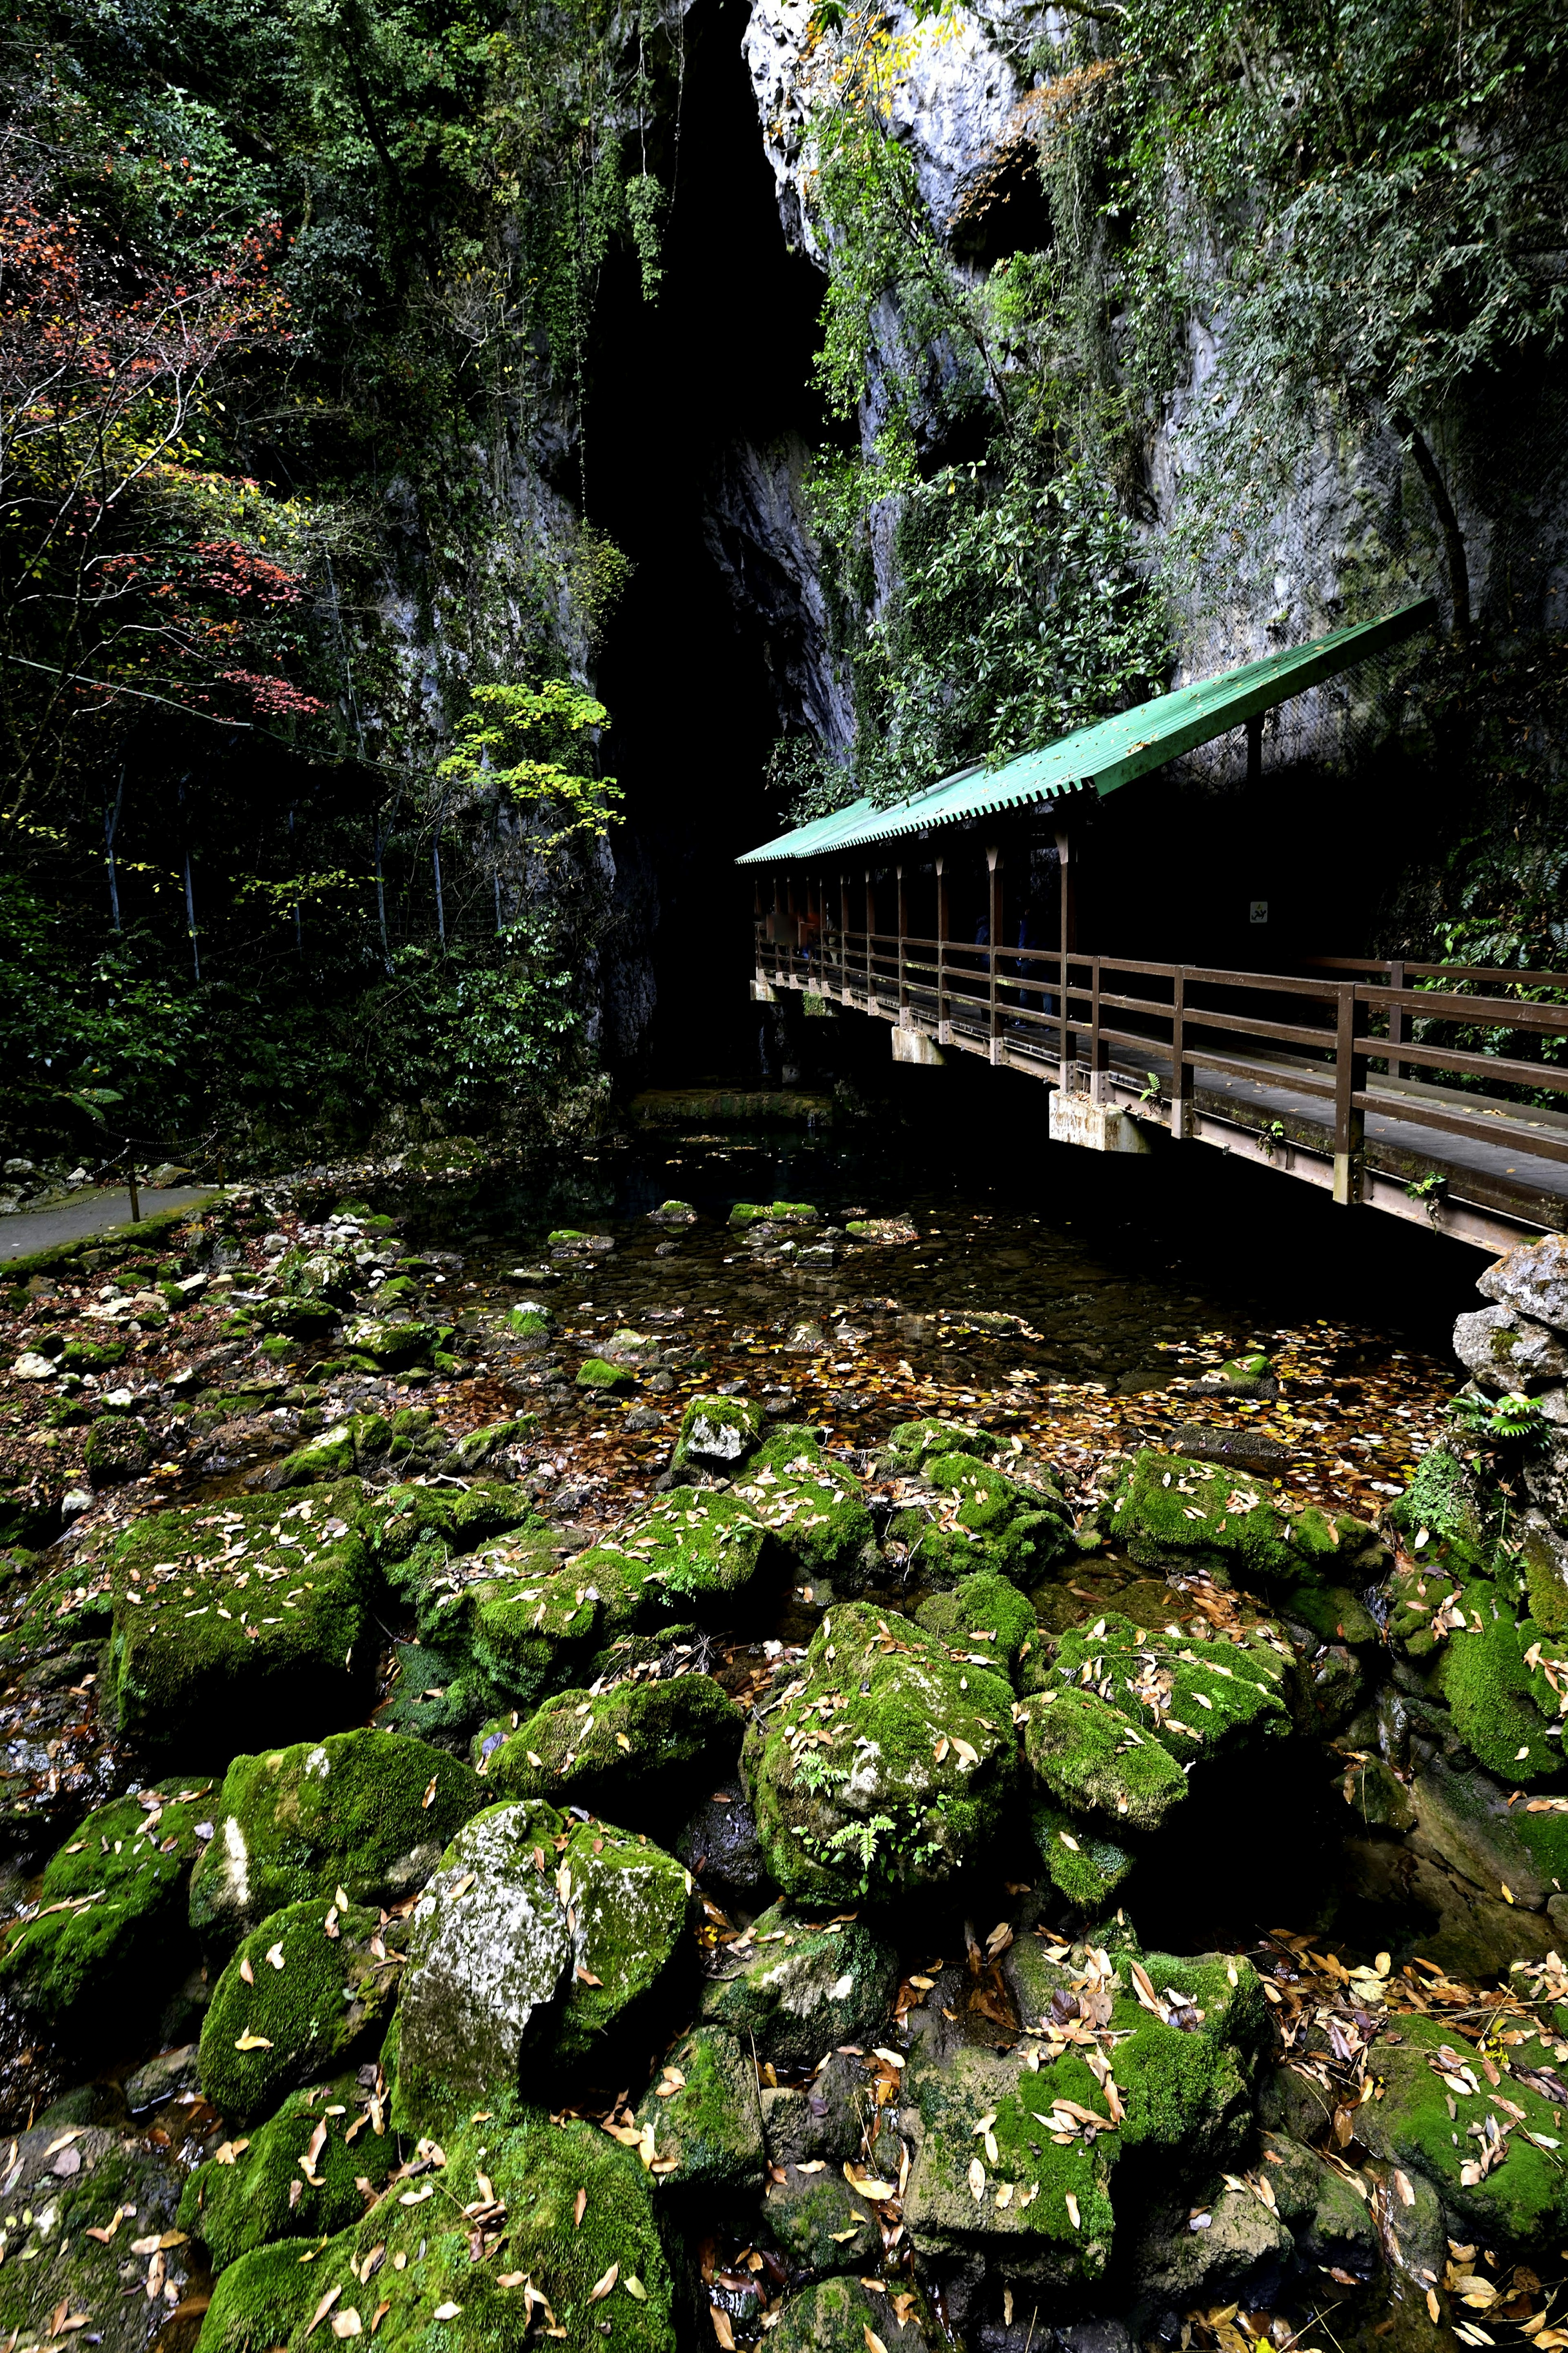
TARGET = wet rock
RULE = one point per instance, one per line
(639, 1753)
(524, 2179)
(704, 2115)
(297, 2176)
(886, 1767)
(1332, 2223)
(1504, 1351)
(812, 1509)
(641, 1419)
(882, 1231)
(172, 2074)
(821, 2224)
(116, 1449)
(307, 1995)
(1522, 2201)
(673, 1213)
(717, 1432)
(368, 1811)
(720, 1847)
(1377, 1796)
(984, 1620)
(223, 1635)
(799, 1988)
(1465, 1820)
(488, 1950)
(94, 2182)
(110, 1922)
(823, 2119)
(1232, 2248)
(776, 1213)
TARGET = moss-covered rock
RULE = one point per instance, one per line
(116, 1449)
(295, 2176)
(815, 1512)
(984, 1620)
(886, 1767)
(1488, 1671)
(477, 1447)
(673, 1213)
(704, 2115)
(775, 1213)
(386, 1343)
(367, 1811)
(717, 1432)
(914, 1444)
(984, 1520)
(640, 1754)
(840, 2315)
(1183, 2072)
(603, 2281)
(593, 1372)
(798, 1989)
(61, 2185)
(1427, 2118)
(819, 2222)
(241, 1624)
(628, 1905)
(308, 1993)
(109, 1934)
(1170, 1512)
(693, 1554)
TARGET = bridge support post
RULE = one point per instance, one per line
(1099, 1051)
(994, 926)
(1396, 1069)
(1350, 1080)
(943, 1023)
(903, 933)
(1182, 1124)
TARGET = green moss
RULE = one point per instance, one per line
(627, 1902)
(984, 1620)
(708, 2129)
(121, 1882)
(798, 1987)
(1201, 1695)
(1482, 1675)
(122, 2189)
(593, 1372)
(693, 1554)
(115, 1450)
(388, 1345)
(266, 2192)
(1544, 1582)
(642, 1753)
(1523, 2203)
(783, 1213)
(528, 1323)
(1441, 1499)
(534, 1640)
(913, 1444)
(259, 2300)
(226, 1636)
(369, 1811)
(325, 2007)
(817, 1514)
(1017, 1529)
(1169, 1511)
(1083, 1862)
(819, 2222)
(887, 1768)
(1091, 1757)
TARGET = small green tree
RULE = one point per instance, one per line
(537, 745)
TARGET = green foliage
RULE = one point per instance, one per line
(534, 742)
(1511, 1421)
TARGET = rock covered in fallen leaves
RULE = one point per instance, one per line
(983, 1620)
(308, 1994)
(1170, 1512)
(1490, 2151)
(368, 1811)
(94, 2216)
(798, 1987)
(703, 2117)
(980, 1518)
(110, 1930)
(693, 1553)
(811, 1508)
(639, 1753)
(884, 1767)
(1015, 2151)
(295, 2176)
(237, 1622)
(717, 1432)
(526, 2226)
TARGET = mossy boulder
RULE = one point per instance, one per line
(529, 1323)
(62, 2183)
(814, 1512)
(477, 1447)
(1429, 2119)
(886, 1768)
(641, 1754)
(983, 1519)
(984, 1620)
(693, 1554)
(1489, 1672)
(1171, 1512)
(295, 2176)
(705, 2118)
(911, 1445)
(1182, 2070)
(776, 1213)
(235, 1624)
(328, 1274)
(109, 1931)
(798, 1989)
(840, 2315)
(717, 1432)
(537, 1941)
(603, 2281)
(387, 1344)
(673, 1213)
(116, 1449)
(593, 1372)
(371, 1813)
(308, 1994)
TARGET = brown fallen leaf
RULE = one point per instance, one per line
(246, 1971)
(601, 2288)
(873, 2342)
(721, 2328)
(322, 2308)
(378, 2316)
(428, 1800)
(579, 2207)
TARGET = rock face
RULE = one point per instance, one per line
(69, 2189)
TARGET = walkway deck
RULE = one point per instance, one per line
(1272, 1068)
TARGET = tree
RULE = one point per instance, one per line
(536, 745)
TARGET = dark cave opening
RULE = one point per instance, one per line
(723, 356)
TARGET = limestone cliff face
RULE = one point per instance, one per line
(1357, 531)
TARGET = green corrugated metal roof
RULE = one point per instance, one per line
(1111, 752)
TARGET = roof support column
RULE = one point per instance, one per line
(903, 932)
(993, 861)
(943, 917)
(844, 939)
(1068, 940)
(871, 936)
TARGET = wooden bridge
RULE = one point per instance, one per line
(1425, 1091)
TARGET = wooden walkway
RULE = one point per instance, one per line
(1365, 1079)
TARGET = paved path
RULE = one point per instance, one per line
(94, 1212)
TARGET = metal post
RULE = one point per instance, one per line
(1350, 1079)
(943, 1023)
(1181, 1068)
(135, 1195)
(1396, 1030)
(994, 925)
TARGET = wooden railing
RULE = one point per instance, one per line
(1087, 1020)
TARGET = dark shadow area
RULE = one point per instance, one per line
(725, 356)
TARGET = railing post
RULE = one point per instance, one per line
(1350, 1079)
(1099, 1051)
(993, 928)
(1181, 1068)
(944, 1024)
(844, 939)
(903, 928)
(870, 929)
(1067, 935)
(1397, 1030)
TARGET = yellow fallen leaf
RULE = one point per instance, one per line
(1072, 2209)
(634, 2288)
(249, 2041)
(873, 2342)
(346, 2322)
(601, 2288)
